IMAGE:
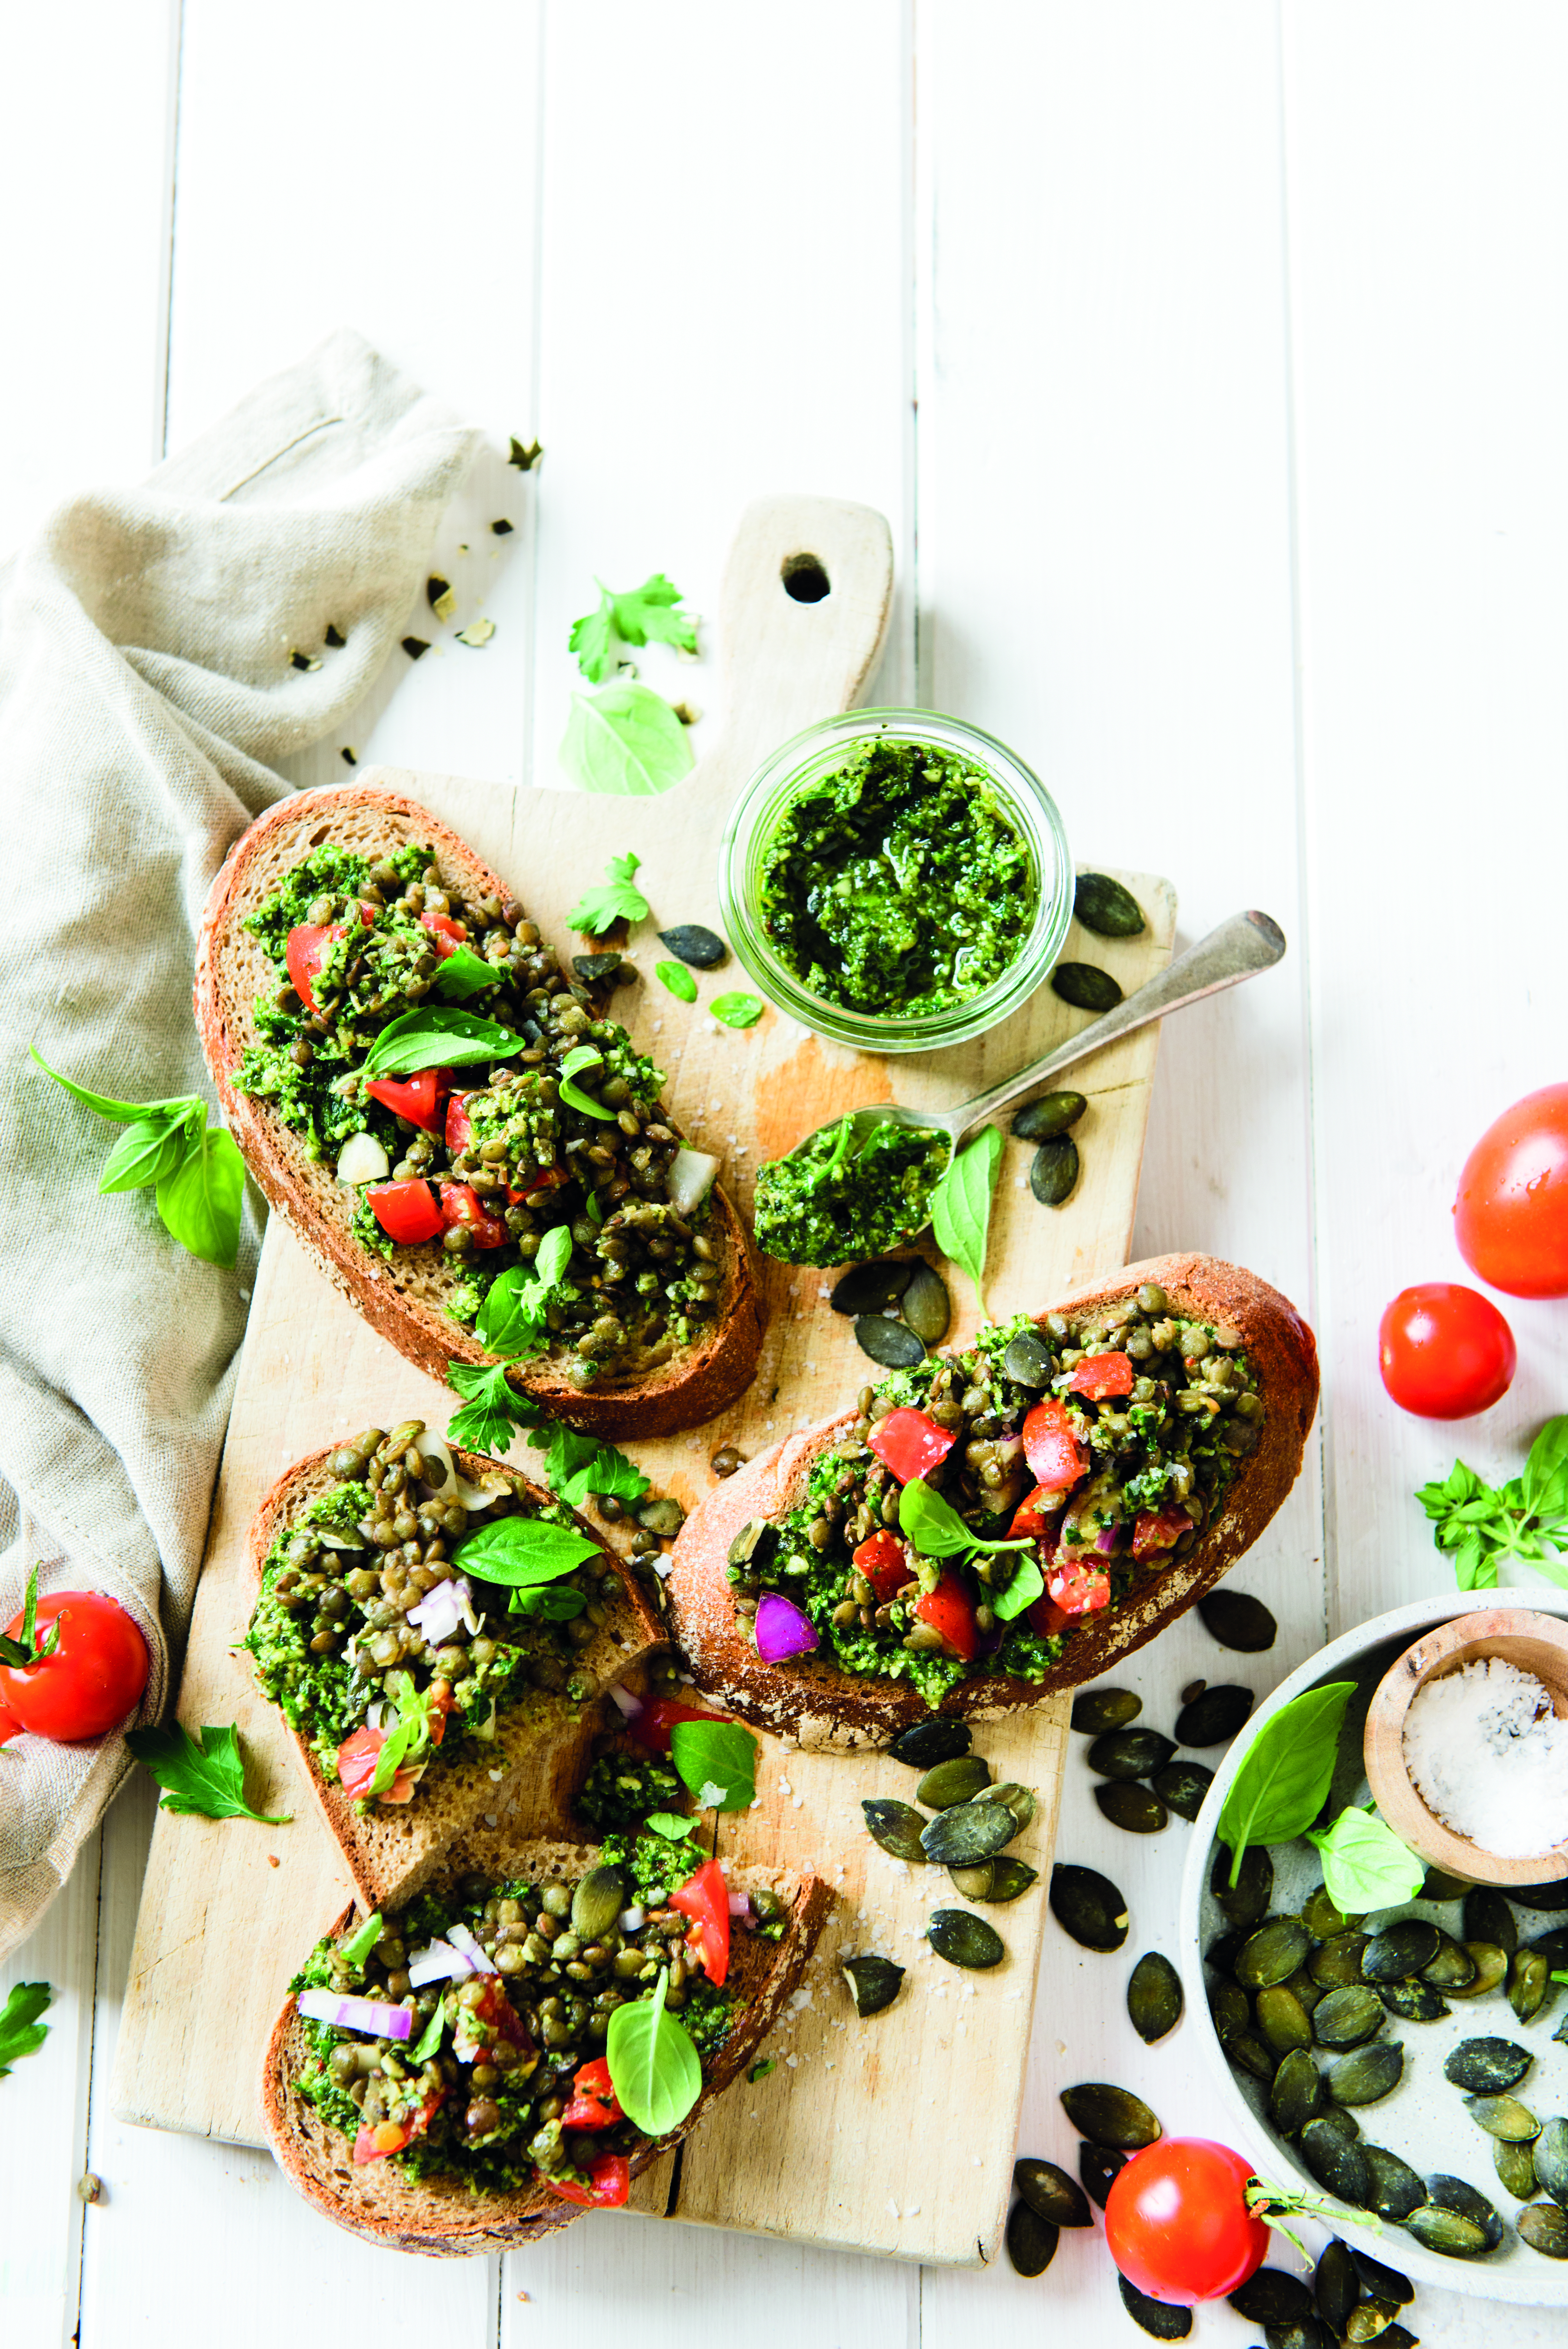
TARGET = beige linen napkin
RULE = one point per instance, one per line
(146, 681)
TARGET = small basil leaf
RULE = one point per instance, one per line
(435, 1039)
(1027, 1585)
(360, 1942)
(199, 1201)
(121, 1113)
(1365, 1865)
(670, 1824)
(961, 1205)
(553, 1605)
(583, 1056)
(624, 739)
(678, 978)
(522, 1552)
(654, 2068)
(736, 1010)
(145, 1153)
(717, 1760)
(463, 974)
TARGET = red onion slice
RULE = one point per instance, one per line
(366, 2014)
(783, 1630)
(461, 1939)
(439, 1962)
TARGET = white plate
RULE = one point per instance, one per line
(1424, 2120)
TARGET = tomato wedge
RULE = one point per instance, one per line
(588, 2113)
(1158, 1529)
(704, 1899)
(594, 2080)
(461, 1204)
(449, 935)
(407, 1211)
(1037, 1514)
(304, 953)
(459, 1125)
(1078, 1589)
(652, 1726)
(418, 1098)
(1050, 1446)
(949, 1610)
(881, 1559)
(910, 1443)
(609, 2183)
(1098, 1375)
(357, 1759)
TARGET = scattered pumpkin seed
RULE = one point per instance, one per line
(1239, 1622)
(1306, 2333)
(1054, 1171)
(926, 1307)
(1098, 1709)
(1282, 2019)
(1335, 2116)
(1337, 1961)
(1458, 2195)
(1491, 1961)
(1400, 1950)
(1413, 2002)
(1487, 2067)
(1087, 1907)
(871, 1287)
(1338, 2163)
(1381, 2281)
(1439, 1885)
(1553, 1895)
(897, 1826)
(967, 1832)
(1230, 2009)
(1550, 2154)
(924, 1743)
(1181, 1786)
(1018, 1799)
(1106, 906)
(1368, 2321)
(597, 1902)
(1295, 2093)
(1246, 1902)
(1154, 1998)
(1320, 1916)
(1367, 2074)
(1129, 1753)
(1516, 2165)
(1393, 2189)
(888, 1342)
(1528, 1983)
(1304, 1988)
(953, 1781)
(693, 942)
(1273, 2296)
(1098, 2168)
(1193, 1691)
(1489, 1917)
(873, 1983)
(1215, 1717)
(1029, 1360)
(1248, 2054)
(1271, 1954)
(757, 1540)
(965, 1939)
(1031, 2240)
(1085, 986)
(1504, 2117)
(593, 970)
(1222, 1954)
(1044, 1120)
(1336, 2286)
(1344, 2018)
(1160, 2319)
(1130, 1806)
(1553, 1947)
(1107, 2114)
(1050, 2190)
(994, 1880)
(1453, 1968)
(1545, 2229)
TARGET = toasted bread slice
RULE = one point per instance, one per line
(404, 1298)
(395, 1848)
(820, 1705)
(441, 2216)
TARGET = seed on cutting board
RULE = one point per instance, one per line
(1129, 1753)
(1029, 1362)
(1489, 1917)
(1246, 1902)
(1381, 2281)
(1085, 987)
(1413, 2002)
(1367, 2074)
(1031, 2240)
(1098, 1709)
(1338, 1961)
(967, 1834)
(1106, 906)
(1344, 2018)
(1193, 1691)
(1491, 1961)
(1107, 2114)
(926, 1307)
(1160, 2319)
(1458, 2196)
(1271, 1954)
(1528, 1981)
(896, 1825)
(1550, 2154)
(1131, 1807)
(692, 942)
(1487, 2067)
(953, 1781)
(1045, 1118)
(1018, 1799)
(1087, 1907)
(1453, 1968)
(873, 1983)
(1098, 2167)
(1239, 1622)
(1181, 1786)
(1545, 2229)
(1338, 2163)
(1050, 2190)
(1282, 2020)
(1273, 2296)
(965, 1939)
(994, 1880)
(1399, 1950)
(925, 1743)
(1504, 2117)
(888, 1342)
(1336, 2286)
(1216, 1717)
(871, 1287)
(1515, 2167)
(1054, 1171)
(1154, 1997)
(1295, 2093)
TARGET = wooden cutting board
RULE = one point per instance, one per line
(893, 2135)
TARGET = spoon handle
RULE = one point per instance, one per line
(1238, 949)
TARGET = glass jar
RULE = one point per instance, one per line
(810, 758)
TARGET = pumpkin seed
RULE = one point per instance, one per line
(872, 1287)
(1050, 2190)
(1487, 2067)
(994, 1880)
(1154, 1998)
(1550, 2154)
(1338, 2163)
(1489, 1917)
(1344, 2018)
(1336, 2286)
(1553, 1947)
(1129, 1753)
(1031, 2240)
(1337, 1961)
(1054, 1172)
(1504, 2117)
(1306, 2333)
(1107, 907)
(1239, 1622)
(1540, 1896)
(1029, 1362)
(1246, 1902)
(968, 1833)
(1528, 1983)
(1018, 1799)
(1295, 2094)
(926, 1307)
(1271, 2296)
(1304, 1988)
(1448, 2231)
(896, 1825)
(1107, 2114)
(693, 943)
(1335, 2116)
(597, 1902)
(1393, 2188)
(594, 969)
(1131, 1807)
(1043, 1120)
(1320, 1916)
(940, 1739)
(1458, 2196)
(1545, 2229)
(755, 1542)
(1088, 988)
(1367, 2073)
(1098, 2167)
(1181, 1786)
(1222, 1954)
(1097, 1710)
(1490, 1963)
(1282, 2020)
(888, 1342)
(1087, 1907)
(1413, 2002)
(952, 1781)
(1516, 2165)
(1399, 2337)
(1382, 2281)
(1368, 2321)
(1273, 1953)
(1160, 2319)
(1453, 1968)
(1561, 2033)
(1399, 1951)
(1230, 2011)
(873, 1983)
(965, 1940)
(1248, 2054)
(1439, 1885)
(1216, 1716)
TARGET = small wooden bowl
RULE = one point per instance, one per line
(1531, 1643)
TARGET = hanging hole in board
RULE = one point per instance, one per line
(805, 579)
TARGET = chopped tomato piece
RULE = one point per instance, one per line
(1159, 1529)
(652, 1726)
(609, 2183)
(460, 1126)
(449, 935)
(704, 1899)
(440, 1702)
(357, 1759)
(594, 2080)
(407, 1211)
(1050, 1446)
(1047, 1618)
(549, 1178)
(1037, 1514)
(489, 2016)
(910, 1443)
(1098, 1375)
(418, 1098)
(303, 954)
(1078, 1589)
(883, 1562)
(377, 2139)
(588, 2113)
(461, 1204)
(949, 1610)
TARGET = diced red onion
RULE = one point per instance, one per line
(783, 1630)
(690, 1179)
(625, 1703)
(439, 1962)
(461, 1939)
(1106, 1537)
(632, 1920)
(443, 1608)
(366, 2014)
(740, 1904)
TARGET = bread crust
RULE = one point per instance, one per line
(401, 1298)
(392, 1851)
(820, 1706)
(441, 2217)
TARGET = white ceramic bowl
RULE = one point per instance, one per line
(1424, 2120)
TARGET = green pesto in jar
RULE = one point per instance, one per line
(831, 1202)
(899, 885)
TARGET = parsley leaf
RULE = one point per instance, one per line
(202, 1777)
(643, 614)
(616, 899)
(21, 2033)
(492, 1408)
(1526, 1519)
(577, 1466)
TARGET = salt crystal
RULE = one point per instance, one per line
(1490, 1756)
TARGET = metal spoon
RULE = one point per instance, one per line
(1238, 949)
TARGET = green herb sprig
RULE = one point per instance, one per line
(21, 2033)
(654, 2068)
(29, 1649)
(580, 1057)
(409, 1740)
(615, 900)
(1478, 1524)
(961, 1205)
(625, 741)
(1283, 1781)
(492, 1408)
(936, 1530)
(577, 1466)
(194, 1171)
(512, 1321)
(1365, 1865)
(717, 1760)
(203, 1777)
(648, 613)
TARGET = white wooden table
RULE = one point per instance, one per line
(1210, 360)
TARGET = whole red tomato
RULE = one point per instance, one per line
(1510, 1218)
(1445, 1351)
(1178, 2222)
(90, 1682)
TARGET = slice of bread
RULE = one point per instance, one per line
(404, 1298)
(395, 1848)
(817, 1705)
(441, 2217)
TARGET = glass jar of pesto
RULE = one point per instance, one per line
(895, 880)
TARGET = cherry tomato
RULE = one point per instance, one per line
(92, 1680)
(949, 1610)
(461, 1204)
(460, 1126)
(1159, 1529)
(1047, 1618)
(704, 1899)
(1445, 1351)
(910, 1443)
(1050, 1446)
(417, 1098)
(1177, 2222)
(447, 935)
(407, 1211)
(1077, 1587)
(1098, 1375)
(1510, 1218)
(883, 1562)
(609, 2183)
(652, 1726)
(1037, 1514)
(10, 1726)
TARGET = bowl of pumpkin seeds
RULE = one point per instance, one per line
(1382, 2034)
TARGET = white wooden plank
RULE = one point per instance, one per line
(47, 2113)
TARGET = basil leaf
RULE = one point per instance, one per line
(145, 1153)
(553, 1605)
(717, 1760)
(1546, 1470)
(493, 1410)
(409, 1739)
(120, 1113)
(616, 899)
(464, 973)
(937, 1530)
(204, 1777)
(200, 1202)
(1283, 1781)
(522, 1551)
(21, 2033)
(626, 740)
(437, 1040)
(671, 1825)
(736, 1010)
(360, 1942)
(961, 1205)
(678, 978)
(655, 2069)
(554, 1255)
(431, 2036)
(1365, 1865)
(1027, 1585)
(582, 1056)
